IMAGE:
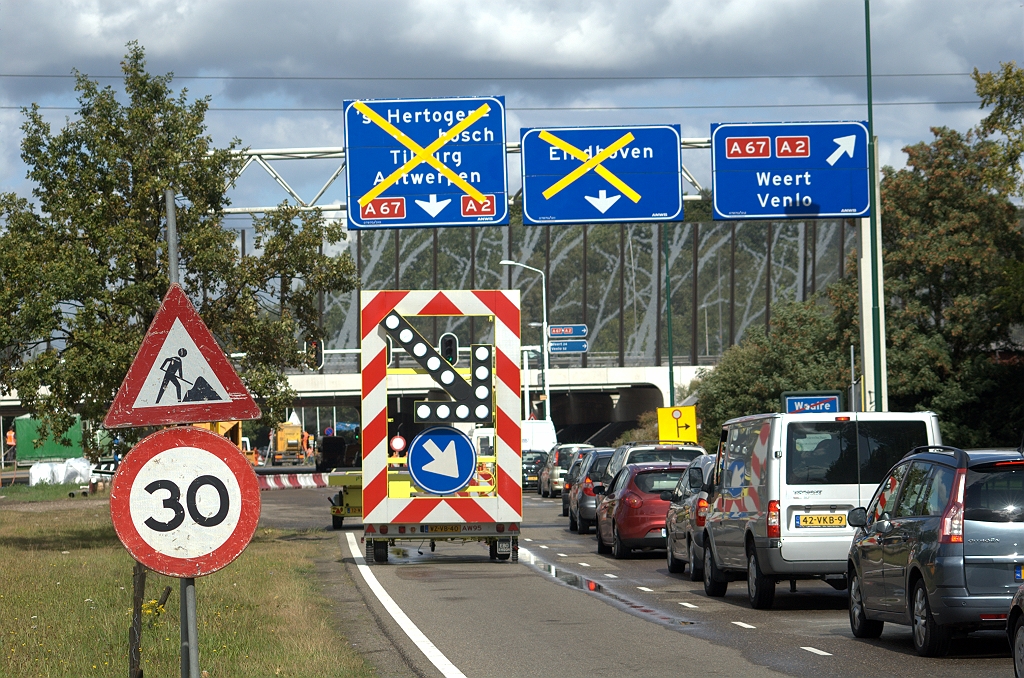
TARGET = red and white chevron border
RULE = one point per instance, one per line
(287, 481)
(507, 505)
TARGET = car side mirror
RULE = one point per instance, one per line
(667, 495)
(600, 489)
(857, 517)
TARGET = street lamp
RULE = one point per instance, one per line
(544, 329)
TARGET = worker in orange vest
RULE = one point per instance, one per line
(11, 443)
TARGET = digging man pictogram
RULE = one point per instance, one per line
(173, 374)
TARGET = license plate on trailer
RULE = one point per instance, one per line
(1018, 574)
(444, 528)
(821, 520)
(504, 547)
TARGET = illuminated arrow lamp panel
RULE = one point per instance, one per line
(472, 402)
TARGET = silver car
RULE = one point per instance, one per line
(938, 547)
(684, 523)
(582, 498)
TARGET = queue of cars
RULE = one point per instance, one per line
(920, 534)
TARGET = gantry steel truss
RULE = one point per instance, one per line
(265, 156)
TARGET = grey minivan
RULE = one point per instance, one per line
(939, 547)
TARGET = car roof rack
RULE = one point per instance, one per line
(961, 457)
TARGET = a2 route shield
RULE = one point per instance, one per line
(601, 174)
(420, 163)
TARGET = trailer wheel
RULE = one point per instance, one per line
(515, 550)
(337, 522)
(369, 552)
(492, 548)
(380, 551)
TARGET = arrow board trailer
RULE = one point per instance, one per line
(790, 170)
(602, 174)
(444, 488)
(423, 163)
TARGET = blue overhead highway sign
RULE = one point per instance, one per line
(601, 174)
(790, 170)
(441, 460)
(420, 163)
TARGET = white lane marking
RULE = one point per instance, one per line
(447, 669)
(689, 605)
(525, 539)
(542, 546)
(817, 651)
(585, 564)
(562, 555)
(744, 626)
(610, 576)
(644, 588)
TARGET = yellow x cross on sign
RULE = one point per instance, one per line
(421, 154)
(589, 164)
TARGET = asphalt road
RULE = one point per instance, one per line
(565, 610)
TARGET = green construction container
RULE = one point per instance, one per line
(26, 431)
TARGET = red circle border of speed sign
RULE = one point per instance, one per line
(120, 509)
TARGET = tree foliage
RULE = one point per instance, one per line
(84, 271)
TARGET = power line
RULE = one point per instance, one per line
(566, 108)
(520, 78)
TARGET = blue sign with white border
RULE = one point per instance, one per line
(566, 331)
(602, 174)
(812, 404)
(421, 163)
(568, 346)
(790, 170)
(441, 460)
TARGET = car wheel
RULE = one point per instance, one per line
(573, 524)
(675, 566)
(1018, 649)
(582, 526)
(696, 564)
(619, 550)
(930, 639)
(760, 589)
(565, 508)
(538, 487)
(545, 493)
(861, 626)
(712, 586)
(601, 546)
(337, 522)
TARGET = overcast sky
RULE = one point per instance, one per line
(690, 63)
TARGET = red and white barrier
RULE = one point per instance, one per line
(288, 481)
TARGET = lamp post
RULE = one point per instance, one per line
(544, 330)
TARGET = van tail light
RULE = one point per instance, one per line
(952, 526)
(588, 487)
(774, 520)
(702, 511)
(633, 500)
(567, 486)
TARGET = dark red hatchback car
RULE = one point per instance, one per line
(631, 515)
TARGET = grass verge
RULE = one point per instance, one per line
(43, 492)
(65, 603)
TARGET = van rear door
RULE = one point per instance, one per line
(820, 475)
(994, 528)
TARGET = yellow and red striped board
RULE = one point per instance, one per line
(506, 505)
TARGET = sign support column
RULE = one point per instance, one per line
(873, 333)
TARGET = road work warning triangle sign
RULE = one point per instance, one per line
(180, 374)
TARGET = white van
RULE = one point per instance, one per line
(539, 434)
(781, 488)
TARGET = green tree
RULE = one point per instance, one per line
(84, 272)
(951, 239)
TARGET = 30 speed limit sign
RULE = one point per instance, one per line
(185, 502)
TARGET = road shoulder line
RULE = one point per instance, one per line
(429, 650)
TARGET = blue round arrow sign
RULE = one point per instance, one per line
(441, 460)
